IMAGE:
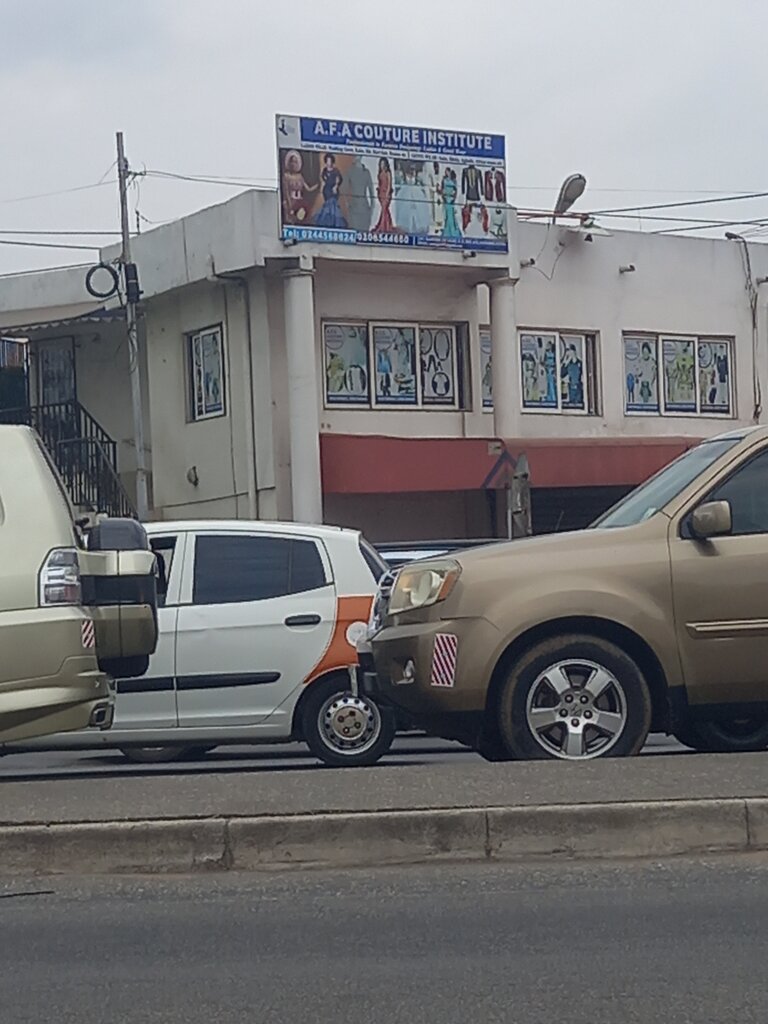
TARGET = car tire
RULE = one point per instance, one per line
(730, 735)
(574, 697)
(162, 755)
(328, 707)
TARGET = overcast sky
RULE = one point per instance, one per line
(639, 95)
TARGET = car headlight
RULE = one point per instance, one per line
(422, 586)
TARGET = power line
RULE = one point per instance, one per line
(49, 245)
(57, 232)
(60, 192)
(692, 202)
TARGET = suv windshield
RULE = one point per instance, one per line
(648, 498)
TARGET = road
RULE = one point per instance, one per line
(247, 759)
(681, 941)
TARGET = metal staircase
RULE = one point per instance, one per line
(83, 452)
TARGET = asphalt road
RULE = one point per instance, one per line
(679, 941)
(246, 758)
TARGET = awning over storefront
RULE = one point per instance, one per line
(354, 464)
(93, 317)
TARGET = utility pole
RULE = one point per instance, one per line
(132, 295)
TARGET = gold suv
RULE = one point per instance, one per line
(71, 616)
(576, 645)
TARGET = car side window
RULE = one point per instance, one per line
(232, 568)
(747, 493)
(163, 548)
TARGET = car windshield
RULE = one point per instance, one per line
(646, 500)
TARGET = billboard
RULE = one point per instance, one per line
(358, 183)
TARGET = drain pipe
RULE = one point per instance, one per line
(250, 412)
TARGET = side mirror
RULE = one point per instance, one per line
(712, 519)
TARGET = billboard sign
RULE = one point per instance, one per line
(357, 183)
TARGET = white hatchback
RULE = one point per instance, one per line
(258, 627)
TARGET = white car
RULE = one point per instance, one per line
(258, 627)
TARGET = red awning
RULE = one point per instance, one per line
(356, 464)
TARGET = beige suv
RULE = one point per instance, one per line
(70, 617)
(576, 645)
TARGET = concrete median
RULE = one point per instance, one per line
(371, 839)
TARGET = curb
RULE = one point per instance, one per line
(371, 839)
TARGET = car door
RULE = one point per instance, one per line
(259, 614)
(720, 591)
(149, 702)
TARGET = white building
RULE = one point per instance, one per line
(600, 373)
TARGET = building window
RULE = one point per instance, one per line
(486, 371)
(392, 365)
(205, 371)
(677, 375)
(558, 371)
(345, 359)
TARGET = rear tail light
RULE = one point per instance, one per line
(60, 578)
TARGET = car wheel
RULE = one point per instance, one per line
(733, 734)
(161, 755)
(343, 729)
(574, 698)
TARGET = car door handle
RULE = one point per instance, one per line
(303, 620)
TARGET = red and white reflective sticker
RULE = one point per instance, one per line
(444, 659)
(88, 633)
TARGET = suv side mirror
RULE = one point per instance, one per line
(712, 519)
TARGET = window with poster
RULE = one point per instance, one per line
(391, 365)
(206, 380)
(558, 372)
(673, 375)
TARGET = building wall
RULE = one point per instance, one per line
(213, 449)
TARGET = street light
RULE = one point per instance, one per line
(571, 190)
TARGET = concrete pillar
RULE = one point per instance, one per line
(505, 360)
(303, 407)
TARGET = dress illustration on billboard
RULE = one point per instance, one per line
(572, 371)
(437, 354)
(360, 183)
(641, 375)
(394, 355)
(538, 362)
(714, 377)
(345, 355)
(679, 361)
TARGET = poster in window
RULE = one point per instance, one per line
(679, 362)
(538, 366)
(207, 371)
(394, 359)
(486, 369)
(641, 375)
(345, 357)
(437, 355)
(572, 371)
(715, 377)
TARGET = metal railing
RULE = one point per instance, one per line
(83, 452)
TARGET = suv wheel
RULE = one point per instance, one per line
(731, 734)
(575, 698)
(343, 729)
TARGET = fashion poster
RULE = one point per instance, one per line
(715, 377)
(394, 360)
(207, 373)
(538, 367)
(437, 354)
(641, 375)
(572, 371)
(356, 183)
(345, 356)
(679, 362)
(486, 369)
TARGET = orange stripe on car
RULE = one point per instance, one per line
(340, 652)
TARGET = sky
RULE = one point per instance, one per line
(653, 100)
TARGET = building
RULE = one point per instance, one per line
(389, 388)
